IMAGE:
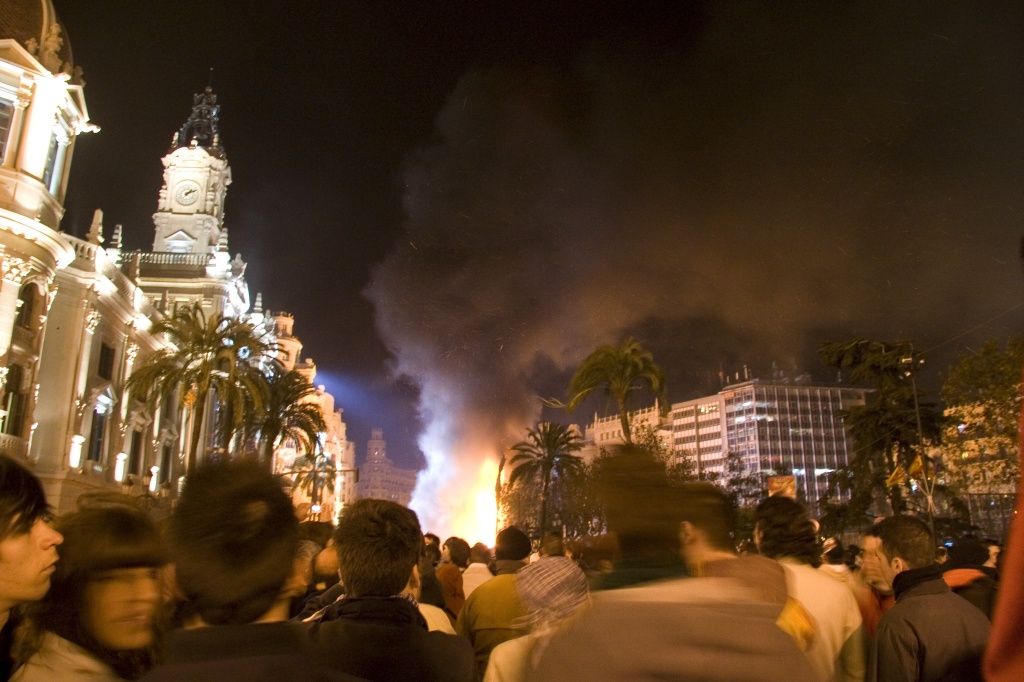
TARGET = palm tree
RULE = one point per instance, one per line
(314, 472)
(216, 353)
(619, 371)
(546, 453)
(287, 413)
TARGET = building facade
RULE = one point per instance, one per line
(75, 314)
(338, 450)
(774, 428)
(379, 478)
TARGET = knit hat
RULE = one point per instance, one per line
(512, 543)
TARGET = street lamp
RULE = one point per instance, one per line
(929, 485)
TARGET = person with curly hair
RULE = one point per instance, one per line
(784, 532)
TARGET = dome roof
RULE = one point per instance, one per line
(34, 24)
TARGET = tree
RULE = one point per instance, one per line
(979, 452)
(314, 472)
(619, 371)
(887, 432)
(546, 454)
(746, 489)
(287, 413)
(216, 354)
(980, 432)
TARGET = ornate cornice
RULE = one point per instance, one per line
(13, 268)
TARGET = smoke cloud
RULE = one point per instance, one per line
(792, 176)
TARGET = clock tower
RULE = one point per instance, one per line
(190, 210)
(190, 262)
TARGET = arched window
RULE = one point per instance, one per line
(27, 301)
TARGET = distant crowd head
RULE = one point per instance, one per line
(456, 550)
(512, 544)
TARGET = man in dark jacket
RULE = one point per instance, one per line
(375, 631)
(930, 635)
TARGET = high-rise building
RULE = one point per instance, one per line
(379, 478)
(774, 428)
(791, 429)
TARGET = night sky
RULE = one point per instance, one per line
(458, 201)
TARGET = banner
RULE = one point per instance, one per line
(782, 485)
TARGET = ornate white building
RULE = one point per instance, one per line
(75, 313)
(336, 446)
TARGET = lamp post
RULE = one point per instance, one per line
(928, 485)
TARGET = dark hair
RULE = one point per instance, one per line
(639, 504)
(551, 544)
(479, 553)
(909, 539)
(458, 550)
(512, 544)
(709, 509)
(967, 551)
(378, 543)
(786, 530)
(22, 500)
(96, 539)
(431, 552)
(432, 539)
(316, 531)
(234, 537)
(836, 554)
(870, 531)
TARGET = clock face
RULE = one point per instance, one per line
(186, 193)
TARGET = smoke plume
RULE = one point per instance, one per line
(794, 175)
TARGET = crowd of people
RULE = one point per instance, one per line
(233, 587)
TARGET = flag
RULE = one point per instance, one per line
(898, 476)
(916, 468)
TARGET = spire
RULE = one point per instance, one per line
(258, 306)
(202, 124)
(115, 241)
(95, 235)
(222, 240)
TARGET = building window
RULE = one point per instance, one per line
(135, 453)
(165, 464)
(14, 401)
(51, 161)
(105, 368)
(26, 306)
(6, 114)
(99, 425)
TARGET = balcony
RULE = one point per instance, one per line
(13, 446)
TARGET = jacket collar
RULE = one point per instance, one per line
(506, 566)
(924, 580)
(397, 609)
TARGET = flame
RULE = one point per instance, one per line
(454, 495)
(477, 522)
